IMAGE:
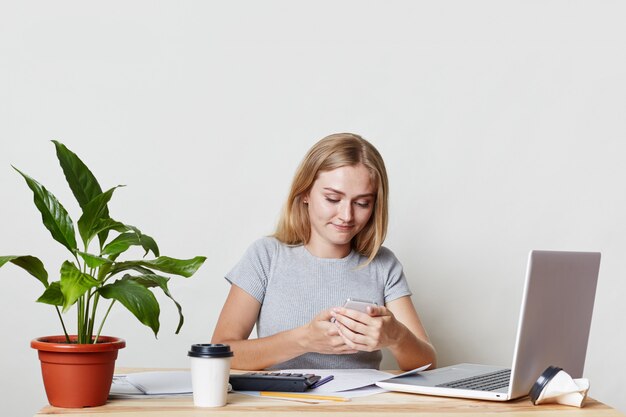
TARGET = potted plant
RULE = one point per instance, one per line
(78, 368)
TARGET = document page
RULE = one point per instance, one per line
(344, 379)
(350, 379)
(150, 384)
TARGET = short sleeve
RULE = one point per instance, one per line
(251, 273)
(396, 285)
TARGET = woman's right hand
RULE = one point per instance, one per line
(322, 336)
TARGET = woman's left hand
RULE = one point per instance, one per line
(369, 331)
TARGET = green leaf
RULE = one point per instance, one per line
(31, 264)
(104, 270)
(152, 280)
(53, 214)
(128, 266)
(137, 299)
(124, 241)
(52, 295)
(80, 179)
(104, 225)
(182, 267)
(82, 182)
(149, 245)
(74, 284)
(121, 244)
(94, 261)
(93, 213)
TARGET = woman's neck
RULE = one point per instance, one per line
(328, 251)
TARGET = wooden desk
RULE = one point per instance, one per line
(380, 405)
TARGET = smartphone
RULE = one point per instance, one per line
(359, 305)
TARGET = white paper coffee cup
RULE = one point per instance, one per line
(210, 369)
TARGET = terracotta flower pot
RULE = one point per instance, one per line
(77, 375)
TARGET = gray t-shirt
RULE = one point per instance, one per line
(293, 286)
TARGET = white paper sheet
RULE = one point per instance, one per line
(349, 379)
(151, 384)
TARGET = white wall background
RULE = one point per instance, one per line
(502, 125)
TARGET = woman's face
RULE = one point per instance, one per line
(340, 204)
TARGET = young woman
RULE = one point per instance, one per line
(327, 248)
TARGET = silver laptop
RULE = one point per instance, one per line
(553, 329)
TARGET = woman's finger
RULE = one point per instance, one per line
(353, 314)
(356, 340)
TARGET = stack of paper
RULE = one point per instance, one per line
(348, 383)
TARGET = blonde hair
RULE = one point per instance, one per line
(335, 151)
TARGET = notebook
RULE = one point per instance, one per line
(553, 329)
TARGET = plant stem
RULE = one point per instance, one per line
(103, 320)
(77, 261)
(86, 318)
(96, 298)
(67, 337)
(79, 326)
(80, 305)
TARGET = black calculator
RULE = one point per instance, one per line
(272, 381)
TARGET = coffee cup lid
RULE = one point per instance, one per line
(210, 350)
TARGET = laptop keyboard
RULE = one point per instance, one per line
(485, 382)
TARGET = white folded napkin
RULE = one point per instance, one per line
(562, 389)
